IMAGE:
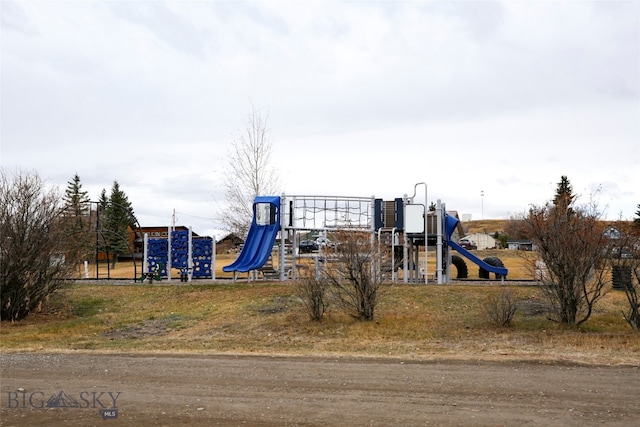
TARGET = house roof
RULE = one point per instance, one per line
(164, 229)
(231, 237)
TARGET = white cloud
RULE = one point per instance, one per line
(363, 98)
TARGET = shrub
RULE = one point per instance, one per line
(500, 308)
(314, 294)
(571, 245)
(354, 274)
(34, 244)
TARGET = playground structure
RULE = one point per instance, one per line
(401, 224)
(193, 256)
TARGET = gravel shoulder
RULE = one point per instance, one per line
(227, 390)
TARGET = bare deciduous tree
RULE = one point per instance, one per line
(632, 289)
(35, 246)
(353, 270)
(572, 246)
(248, 173)
(625, 267)
(514, 228)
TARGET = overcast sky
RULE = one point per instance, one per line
(362, 98)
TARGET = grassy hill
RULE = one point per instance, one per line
(488, 226)
(418, 322)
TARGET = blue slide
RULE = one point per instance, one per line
(451, 223)
(261, 237)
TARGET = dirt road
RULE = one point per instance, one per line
(195, 390)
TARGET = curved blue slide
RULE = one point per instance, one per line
(260, 239)
(451, 223)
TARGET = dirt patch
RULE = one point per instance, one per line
(534, 307)
(277, 305)
(153, 327)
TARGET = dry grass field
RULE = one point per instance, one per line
(412, 321)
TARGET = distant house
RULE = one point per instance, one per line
(483, 240)
(521, 245)
(229, 244)
(620, 245)
(613, 233)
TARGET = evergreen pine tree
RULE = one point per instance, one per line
(564, 196)
(118, 218)
(76, 216)
(76, 200)
(636, 221)
(103, 202)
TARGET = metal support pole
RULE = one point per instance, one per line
(190, 256)
(426, 235)
(213, 258)
(169, 254)
(145, 260)
(372, 238)
(283, 237)
(393, 255)
(405, 249)
(440, 223)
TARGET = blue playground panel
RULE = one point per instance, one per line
(157, 255)
(202, 253)
(180, 249)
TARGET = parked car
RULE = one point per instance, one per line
(467, 243)
(322, 241)
(307, 246)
